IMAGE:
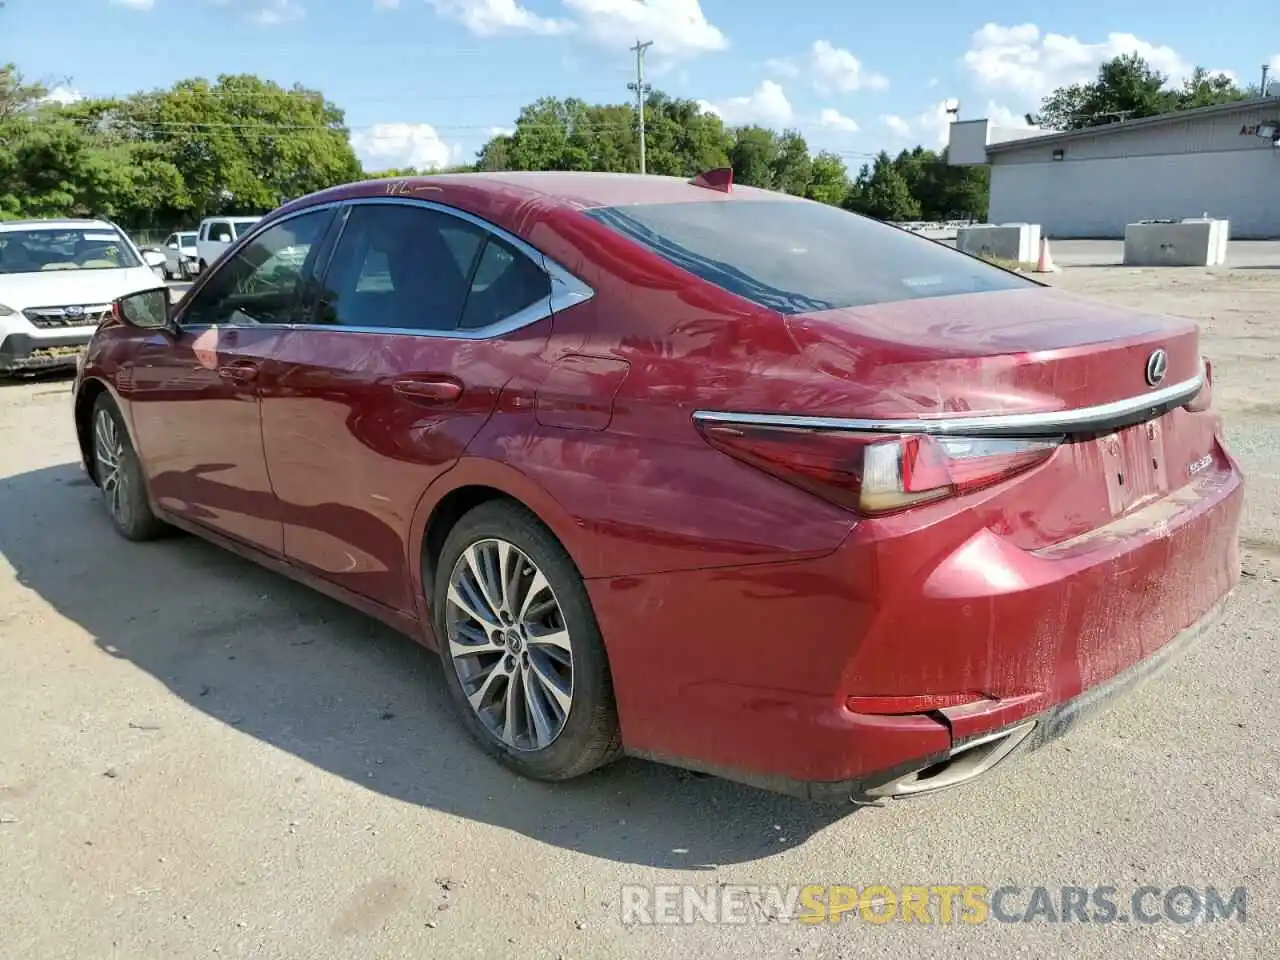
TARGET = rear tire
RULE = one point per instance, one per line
(522, 654)
(119, 475)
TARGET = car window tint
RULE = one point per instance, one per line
(262, 282)
(505, 282)
(401, 267)
(799, 257)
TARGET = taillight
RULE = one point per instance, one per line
(877, 474)
(1204, 399)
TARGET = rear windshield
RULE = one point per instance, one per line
(798, 257)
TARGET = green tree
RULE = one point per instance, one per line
(754, 157)
(881, 191)
(829, 182)
(1129, 88)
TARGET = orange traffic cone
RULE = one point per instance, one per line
(1045, 264)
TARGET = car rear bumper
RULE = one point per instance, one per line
(748, 672)
(24, 351)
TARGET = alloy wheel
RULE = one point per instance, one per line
(509, 644)
(109, 456)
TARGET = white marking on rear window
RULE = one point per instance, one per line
(916, 282)
(106, 237)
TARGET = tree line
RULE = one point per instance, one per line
(241, 144)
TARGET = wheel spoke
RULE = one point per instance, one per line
(514, 692)
(552, 685)
(544, 726)
(479, 612)
(488, 584)
(557, 639)
(477, 699)
(538, 584)
(462, 648)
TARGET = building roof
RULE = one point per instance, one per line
(1124, 126)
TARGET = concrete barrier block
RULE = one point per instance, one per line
(1196, 242)
(1008, 241)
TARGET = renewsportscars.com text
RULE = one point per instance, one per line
(943, 904)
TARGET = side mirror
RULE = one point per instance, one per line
(146, 309)
(153, 258)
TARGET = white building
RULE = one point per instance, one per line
(1223, 161)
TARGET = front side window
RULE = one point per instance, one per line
(802, 257)
(263, 281)
(40, 250)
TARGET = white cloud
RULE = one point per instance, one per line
(63, 95)
(1002, 116)
(782, 66)
(386, 4)
(897, 125)
(134, 4)
(936, 122)
(678, 28)
(266, 13)
(278, 11)
(837, 70)
(501, 131)
(1031, 64)
(768, 105)
(486, 18)
(832, 119)
(386, 145)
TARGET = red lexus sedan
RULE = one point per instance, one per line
(684, 470)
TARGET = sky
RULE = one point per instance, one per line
(426, 82)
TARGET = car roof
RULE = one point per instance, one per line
(579, 190)
(8, 226)
(253, 219)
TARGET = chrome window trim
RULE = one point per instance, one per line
(1052, 422)
(566, 289)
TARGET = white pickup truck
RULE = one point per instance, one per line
(216, 234)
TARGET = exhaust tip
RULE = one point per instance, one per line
(964, 763)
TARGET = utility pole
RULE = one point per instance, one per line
(641, 88)
(1266, 71)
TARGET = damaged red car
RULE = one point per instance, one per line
(684, 470)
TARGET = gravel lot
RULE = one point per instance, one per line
(199, 758)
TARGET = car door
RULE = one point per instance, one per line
(193, 394)
(401, 367)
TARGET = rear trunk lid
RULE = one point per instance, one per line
(1004, 352)
(1012, 357)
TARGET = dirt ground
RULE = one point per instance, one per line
(199, 758)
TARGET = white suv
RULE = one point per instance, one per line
(216, 236)
(58, 279)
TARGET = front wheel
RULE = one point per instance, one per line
(119, 475)
(522, 653)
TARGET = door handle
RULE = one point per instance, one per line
(432, 391)
(244, 371)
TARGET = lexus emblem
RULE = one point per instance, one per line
(1157, 367)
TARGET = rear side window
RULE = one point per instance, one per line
(799, 257)
(504, 283)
